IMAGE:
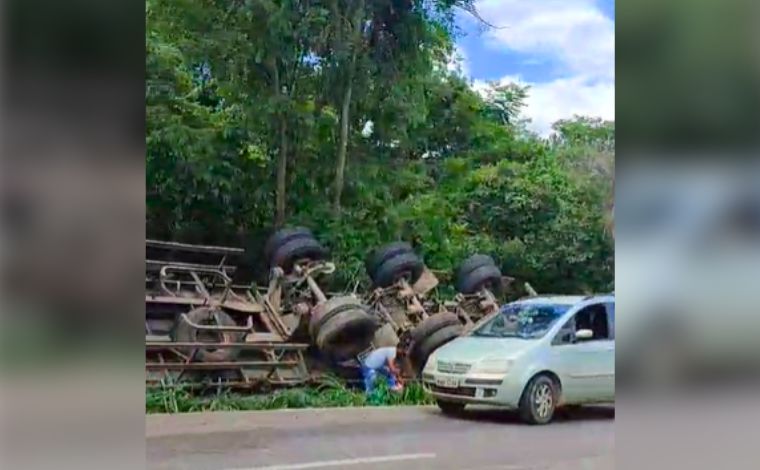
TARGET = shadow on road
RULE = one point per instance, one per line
(569, 414)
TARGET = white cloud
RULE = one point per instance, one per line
(458, 62)
(575, 34)
(562, 98)
(572, 35)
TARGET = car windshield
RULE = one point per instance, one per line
(527, 320)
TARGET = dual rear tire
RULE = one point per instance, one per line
(289, 246)
(342, 328)
(478, 272)
(431, 334)
(389, 264)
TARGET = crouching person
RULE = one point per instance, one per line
(383, 363)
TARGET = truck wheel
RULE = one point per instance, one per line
(487, 276)
(343, 335)
(539, 400)
(335, 305)
(184, 332)
(404, 265)
(380, 255)
(422, 350)
(295, 250)
(282, 237)
(472, 263)
(432, 324)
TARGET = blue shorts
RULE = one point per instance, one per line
(370, 377)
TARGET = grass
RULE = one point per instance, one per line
(331, 393)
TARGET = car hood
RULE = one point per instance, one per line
(472, 349)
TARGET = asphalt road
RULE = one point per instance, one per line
(380, 438)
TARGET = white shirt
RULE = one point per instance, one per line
(379, 357)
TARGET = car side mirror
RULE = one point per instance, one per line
(584, 334)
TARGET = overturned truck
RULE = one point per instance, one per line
(201, 327)
(204, 328)
(401, 282)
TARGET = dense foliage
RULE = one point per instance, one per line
(330, 394)
(342, 115)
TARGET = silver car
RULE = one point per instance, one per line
(534, 355)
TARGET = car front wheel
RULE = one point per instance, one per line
(450, 407)
(539, 400)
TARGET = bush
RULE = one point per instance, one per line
(330, 394)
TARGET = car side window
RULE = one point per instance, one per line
(592, 317)
(566, 334)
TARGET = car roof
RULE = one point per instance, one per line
(553, 299)
(564, 299)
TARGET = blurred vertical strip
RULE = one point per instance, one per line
(72, 200)
(611, 211)
(687, 271)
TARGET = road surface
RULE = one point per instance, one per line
(379, 439)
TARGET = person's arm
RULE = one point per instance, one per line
(395, 370)
(392, 367)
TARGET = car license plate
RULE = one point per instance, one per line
(447, 382)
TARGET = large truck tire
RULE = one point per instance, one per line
(408, 266)
(487, 276)
(472, 263)
(335, 305)
(283, 236)
(380, 255)
(343, 328)
(432, 324)
(186, 333)
(296, 250)
(422, 350)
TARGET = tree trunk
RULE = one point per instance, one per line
(282, 159)
(345, 117)
(282, 168)
(340, 169)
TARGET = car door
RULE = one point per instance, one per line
(586, 368)
(608, 384)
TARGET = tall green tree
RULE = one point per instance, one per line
(255, 110)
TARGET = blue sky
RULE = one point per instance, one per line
(563, 49)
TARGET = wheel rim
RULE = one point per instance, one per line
(206, 336)
(404, 276)
(303, 263)
(544, 400)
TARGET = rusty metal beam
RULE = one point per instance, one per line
(218, 365)
(159, 345)
(156, 265)
(236, 384)
(235, 305)
(223, 250)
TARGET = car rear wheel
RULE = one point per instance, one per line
(450, 407)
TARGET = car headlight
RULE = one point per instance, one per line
(430, 365)
(492, 366)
